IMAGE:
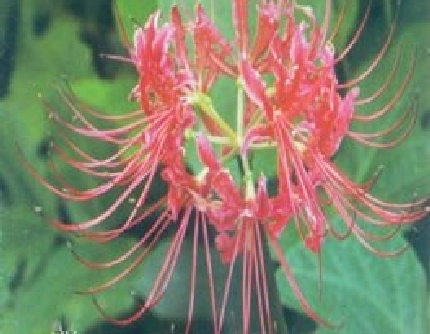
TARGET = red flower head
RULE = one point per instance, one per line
(290, 102)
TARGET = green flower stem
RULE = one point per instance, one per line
(204, 104)
(240, 111)
(248, 179)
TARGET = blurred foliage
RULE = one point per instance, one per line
(44, 43)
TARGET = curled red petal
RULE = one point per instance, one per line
(255, 88)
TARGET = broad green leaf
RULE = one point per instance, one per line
(40, 61)
(132, 12)
(218, 11)
(41, 276)
(360, 292)
(36, 74)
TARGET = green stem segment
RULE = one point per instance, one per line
(204, 105)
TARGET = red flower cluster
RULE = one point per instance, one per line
(289, 101)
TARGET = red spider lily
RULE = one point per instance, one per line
(308, 117)
(290, 101)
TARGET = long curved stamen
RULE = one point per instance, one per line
(355, 38)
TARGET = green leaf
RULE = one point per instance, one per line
(218, 11)
(39, 276)
(132, 12)
(360, 292)
(40, 61)
(37, 73)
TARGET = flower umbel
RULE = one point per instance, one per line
(291, 105)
